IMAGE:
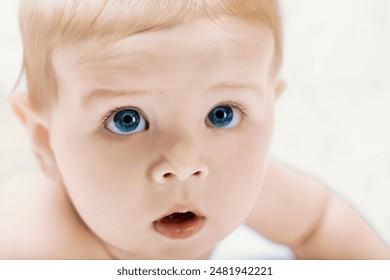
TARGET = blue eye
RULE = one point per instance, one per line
(223, 117)
(125, 122)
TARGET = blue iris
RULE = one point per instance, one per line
(127, 121)
(221, 116)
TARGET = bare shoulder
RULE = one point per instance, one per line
(38, 222)
(290, 206)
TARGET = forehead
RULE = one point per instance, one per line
(154, 53)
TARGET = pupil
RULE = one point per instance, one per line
(127, 119)
(220, 114)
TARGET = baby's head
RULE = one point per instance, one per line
(155, 116)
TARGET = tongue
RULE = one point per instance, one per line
(177, 218)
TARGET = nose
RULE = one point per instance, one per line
(180, 160)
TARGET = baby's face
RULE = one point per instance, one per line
(162, 138)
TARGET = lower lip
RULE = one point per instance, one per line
(179, 230)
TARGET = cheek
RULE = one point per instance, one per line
(104, 179)
(239, 170)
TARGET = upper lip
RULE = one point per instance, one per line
(182, 208)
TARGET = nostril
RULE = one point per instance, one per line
(198, 173)
(168, 175)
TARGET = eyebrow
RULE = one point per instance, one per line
(100, 93)
(236, 86)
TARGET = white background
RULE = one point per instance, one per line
(332, 120)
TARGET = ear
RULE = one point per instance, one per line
(38, 132)
(279, 88)
(18, 102)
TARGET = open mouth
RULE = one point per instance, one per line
(179, 225)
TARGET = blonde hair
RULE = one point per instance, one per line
(46, 25)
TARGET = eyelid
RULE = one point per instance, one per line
(235, 105)
(107, 116)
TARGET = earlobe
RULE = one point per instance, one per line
(279, 88)
(38, 133)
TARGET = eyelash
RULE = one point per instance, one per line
(234, 105)
(117, 109)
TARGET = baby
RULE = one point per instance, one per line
(152, 122)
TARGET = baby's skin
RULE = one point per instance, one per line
(39, 222)
(158, 148)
